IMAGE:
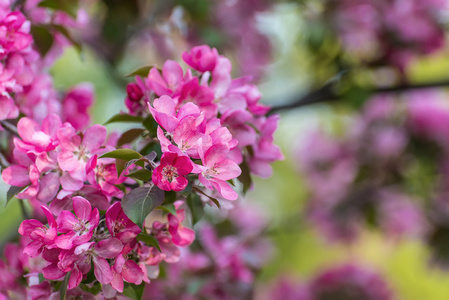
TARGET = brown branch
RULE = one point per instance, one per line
(327, 93)
(9, 127)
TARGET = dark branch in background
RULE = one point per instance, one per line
(3, 162)
(9, 127)
(328, 93)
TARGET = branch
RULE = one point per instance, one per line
(9, 127)
(327, 93)
(3, 162)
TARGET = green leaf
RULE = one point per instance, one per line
(142, 174)
(215, 201)
(124, 118)
(124, 154)
(12, 192)
(185, 192)
(120, 165)
(149, 240)
(150, 124)
(133, 291)
(139, 202)
(68, 6)
(170, 197)
(196, 207)
(43, 39)
(170, 208)
(141, 72)
(245, 177)
(63, 289)
(129, 136)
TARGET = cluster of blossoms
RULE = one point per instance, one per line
(208, 118)
(217, 266)
(369, 176)
(392, 30)
(201, 130)
(346, 282)
(26, 86)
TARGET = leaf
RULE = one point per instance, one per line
(211, 198)
(149, 240)
(150, 124)
(124, 118)
(133, 291)
(140, 72)
(120, 165)
(196, 207)
(43, 39)
(170, 196)
(124, 154)
(68, 6)
(63, 289)
(245, 177)
(139, 202)
(142, 174)
(170, 208)
(129, 136)
(185, 192)
(12, 192)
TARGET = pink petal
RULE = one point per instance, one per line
(102, 270)
(48, 187)
(52, 272)
(109, 248)
(132, 273)
(16, 175)
(94, 137)
(82, 208)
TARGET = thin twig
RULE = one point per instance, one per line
(9, 127)
(3, 162)
(327, 93)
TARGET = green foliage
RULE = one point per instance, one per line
(124, 118)
(149, 240)
(139, 202)
(133, 291)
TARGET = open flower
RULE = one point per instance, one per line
(170, 174)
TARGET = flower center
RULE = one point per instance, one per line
(169, 172)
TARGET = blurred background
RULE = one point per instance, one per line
(361, 87)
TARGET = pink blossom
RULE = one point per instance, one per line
(217, 169)
(181, 235)
(41, 236)
(76, 103)
(201, 58)
(170, 174)
(350, 282)
(165, 114)
(119, 225)
(125, 270)
(77, 229)
(170, 82)
(13, 36)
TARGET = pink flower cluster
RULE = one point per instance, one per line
(55, 163)
(364, 177)
(77, 240)
(208, 117)
(348, 282)
(25, 86)
(396, 30)
(224, 267)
